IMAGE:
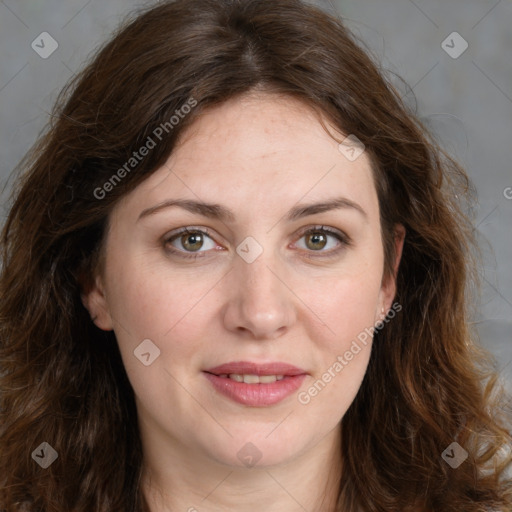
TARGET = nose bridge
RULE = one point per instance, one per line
(257, 281)
(260, 302)
(253, 265)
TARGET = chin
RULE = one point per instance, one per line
(255, 451)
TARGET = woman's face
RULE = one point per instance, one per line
(257, 298)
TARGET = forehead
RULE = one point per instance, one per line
(259, 151)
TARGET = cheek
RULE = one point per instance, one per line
(151, 300)
(172, 313)
(346, 304)
(342, 349)
(170, 310)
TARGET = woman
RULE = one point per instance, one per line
(234, 278)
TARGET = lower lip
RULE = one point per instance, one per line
(256, 395)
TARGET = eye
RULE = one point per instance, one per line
(196, 243)
(319, 238)
(190, 241)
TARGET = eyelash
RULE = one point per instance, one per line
(344, 240)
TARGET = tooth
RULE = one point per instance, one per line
(251, 379)
(254, 379)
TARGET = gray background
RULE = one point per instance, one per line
(467, 100)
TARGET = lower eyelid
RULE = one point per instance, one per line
(331, 253)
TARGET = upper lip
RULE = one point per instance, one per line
(250, 368)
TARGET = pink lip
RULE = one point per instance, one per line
(256, 395)
(247, 368)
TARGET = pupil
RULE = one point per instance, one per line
(195, 239)
(318, 238)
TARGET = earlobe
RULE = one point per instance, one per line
(95, 301)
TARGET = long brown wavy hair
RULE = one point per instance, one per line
(62, 380)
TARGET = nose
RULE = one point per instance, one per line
(260, 304)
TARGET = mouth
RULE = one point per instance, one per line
(256, 385)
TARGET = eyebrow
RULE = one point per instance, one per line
(219, 212)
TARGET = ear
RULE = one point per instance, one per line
(95, 301)
(388, 287)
